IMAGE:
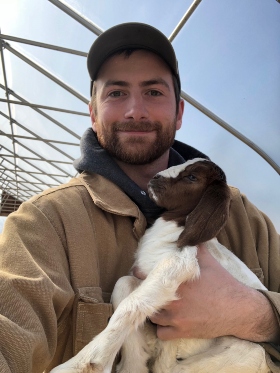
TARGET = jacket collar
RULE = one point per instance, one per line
(109, 197)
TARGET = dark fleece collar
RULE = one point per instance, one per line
(96, 160)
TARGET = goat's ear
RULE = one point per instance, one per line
(208, 217)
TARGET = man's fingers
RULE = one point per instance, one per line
(155, 319)
(161, 318)
(164, 330)
(165, 333)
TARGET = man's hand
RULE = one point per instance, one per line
(216, 305)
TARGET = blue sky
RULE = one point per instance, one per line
(228, 54)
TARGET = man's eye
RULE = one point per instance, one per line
(154, 92)
(116, 94)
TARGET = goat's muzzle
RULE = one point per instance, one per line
(156, 186)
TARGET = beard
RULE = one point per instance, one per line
(137, 150)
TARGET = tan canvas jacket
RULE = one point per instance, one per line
(62, 252)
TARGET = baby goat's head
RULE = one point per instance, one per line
(194, 194)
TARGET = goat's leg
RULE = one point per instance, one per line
(134, 351)
(155, 291)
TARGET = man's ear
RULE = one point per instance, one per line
(179, 117)
(92, 116)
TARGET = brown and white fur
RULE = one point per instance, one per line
(196, 200)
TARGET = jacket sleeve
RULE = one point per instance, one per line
(258, 245)
(271, 258)
(35, 289)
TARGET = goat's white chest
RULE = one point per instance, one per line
(158, 242)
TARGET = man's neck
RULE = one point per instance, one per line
(142, 174)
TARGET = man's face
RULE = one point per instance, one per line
(134, 114)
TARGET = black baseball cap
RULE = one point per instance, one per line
(135, 36)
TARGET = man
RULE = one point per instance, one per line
(63, 251)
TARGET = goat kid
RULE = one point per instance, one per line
(196, 200)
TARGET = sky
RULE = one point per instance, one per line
(228, 55)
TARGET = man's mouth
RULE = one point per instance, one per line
(140, 127)
(136, 131)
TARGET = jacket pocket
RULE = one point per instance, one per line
(91, 316)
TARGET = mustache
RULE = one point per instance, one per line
(140, 126)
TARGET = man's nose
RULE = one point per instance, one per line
(136, 108)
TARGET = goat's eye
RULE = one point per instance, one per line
(191, 177)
